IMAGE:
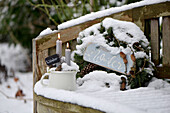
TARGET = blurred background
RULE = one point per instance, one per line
(23, 20)
(20, 22)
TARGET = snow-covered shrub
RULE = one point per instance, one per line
(14, 57)
(120, 37)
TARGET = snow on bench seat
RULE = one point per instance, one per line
(93, 94)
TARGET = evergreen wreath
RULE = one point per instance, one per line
(110, 33)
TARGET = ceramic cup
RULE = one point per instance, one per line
(61, 80)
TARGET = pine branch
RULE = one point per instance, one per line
(47, 12)
(67, 9)
(49, 6)
(58, 14)
(142, 67)
(12, 35)
(116, 39)
(44, 10)
(62, 10)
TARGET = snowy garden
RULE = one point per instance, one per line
(15, 86)
(106, 61)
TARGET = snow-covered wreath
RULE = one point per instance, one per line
(119, 37)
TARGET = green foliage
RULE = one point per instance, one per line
(79, 60)
(123, 44)
(110, 31)
(139, 62)
(142, 76)
(20, 22)
(91, 33)
(102, 29)
(60, 11)
(23, 20)
(141, 80)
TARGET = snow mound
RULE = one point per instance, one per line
(99, 80)
(158, 84)
(72, 67)
(125, 31)
(46, 32)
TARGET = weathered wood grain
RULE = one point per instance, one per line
(34, 57)
(147, 29)
(166, 41)
(41, 108)
(41, 62)
(52, 51)
(156, 10)
(47, 41)
(45, 105)
(155, 41)
(163, 72)
(138, 18)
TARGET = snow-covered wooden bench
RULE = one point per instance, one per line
(147, 15)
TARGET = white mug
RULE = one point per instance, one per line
(61, 80)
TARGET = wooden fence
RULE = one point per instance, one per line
(146, 17)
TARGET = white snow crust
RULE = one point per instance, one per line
(46, 32)
(72, 67)
(92, 92)
(99, 14)
(121, 30)
(141, 54)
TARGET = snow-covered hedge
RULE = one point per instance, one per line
(14, 57)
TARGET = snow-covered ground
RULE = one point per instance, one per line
(92, 92)
(11, 104)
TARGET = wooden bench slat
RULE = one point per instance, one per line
(166, 41)
(155, 41)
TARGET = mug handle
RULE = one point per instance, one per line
(41, 80)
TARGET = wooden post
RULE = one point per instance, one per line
(155, 41)
(147, 29)
(41, 65)
(166, 41)
(34, 55)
